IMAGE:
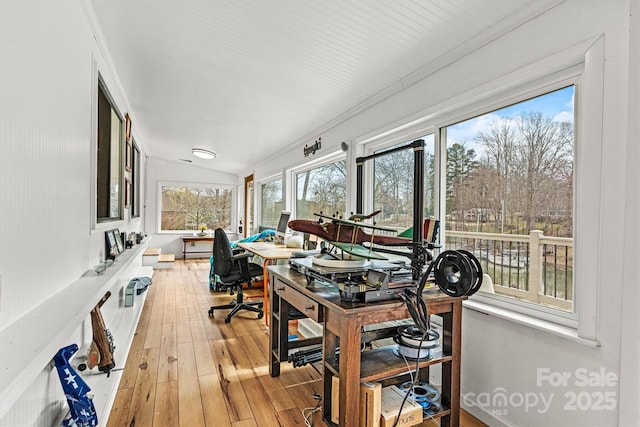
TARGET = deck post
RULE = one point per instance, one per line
(535, 266)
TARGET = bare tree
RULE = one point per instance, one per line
(531, 156)
(322, 189)
(544, 160)
(188, 208)
(393, 185)
(500, 141)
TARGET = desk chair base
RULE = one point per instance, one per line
(235, 307)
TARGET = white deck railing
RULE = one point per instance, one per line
(534, 267)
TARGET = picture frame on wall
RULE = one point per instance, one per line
(128, 154)
(135, 181)
(127, 127)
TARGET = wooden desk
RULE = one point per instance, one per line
(270, 253)
(343, 327)
(195, 239)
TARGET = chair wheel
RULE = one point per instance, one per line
(211, 312)
(260, 315)
(227, 319)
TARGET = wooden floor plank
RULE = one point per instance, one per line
(167, 366)
(154, 332)
(169, 313)
(183, 328)
(189, 402)
(166, 405)
(145, 315)
(262, 409)
(204, 358)
(144, 393)
(235, 398)
(213, 402)
(278, 395)
(130, 373)
(261, 403)
(289, 417)
(120, 408)
(246, 423)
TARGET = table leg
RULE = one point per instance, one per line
(265, 279)
(452, 345)
(279, 334)
(350, 337)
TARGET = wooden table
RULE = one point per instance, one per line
(193, 240)
(344, 324)
(270, 254)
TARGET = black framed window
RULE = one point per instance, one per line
(109, 159)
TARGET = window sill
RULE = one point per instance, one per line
(531, 322)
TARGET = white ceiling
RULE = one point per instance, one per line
(248, 78)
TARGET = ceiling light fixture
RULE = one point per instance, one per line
(203, 153)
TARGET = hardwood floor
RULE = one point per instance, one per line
(187, 369)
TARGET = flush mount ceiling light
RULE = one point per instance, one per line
(203, 153)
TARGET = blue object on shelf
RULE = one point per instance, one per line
(83, 413)
(141, 284)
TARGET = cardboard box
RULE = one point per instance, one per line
(370, 403)
(392, 397)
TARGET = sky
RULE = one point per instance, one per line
(557, 104)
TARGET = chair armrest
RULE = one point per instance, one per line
(241, 255)
(243, 261)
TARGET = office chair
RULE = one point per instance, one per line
(232, 270)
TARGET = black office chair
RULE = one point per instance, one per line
(233, 270)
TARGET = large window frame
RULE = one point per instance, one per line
(534, 310)
(580, 66)
(269, 215)
(109, 169)
(430, 196)
(183, 184)
(320, 162)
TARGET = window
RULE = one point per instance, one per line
(186, 207)
(321, 189)
(393, 185)
(509, 197)
(109, 159)
(271, 202)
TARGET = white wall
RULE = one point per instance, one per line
(49, 60)
(501, 357)
(630, 340)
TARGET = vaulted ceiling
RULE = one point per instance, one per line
(248, 78)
